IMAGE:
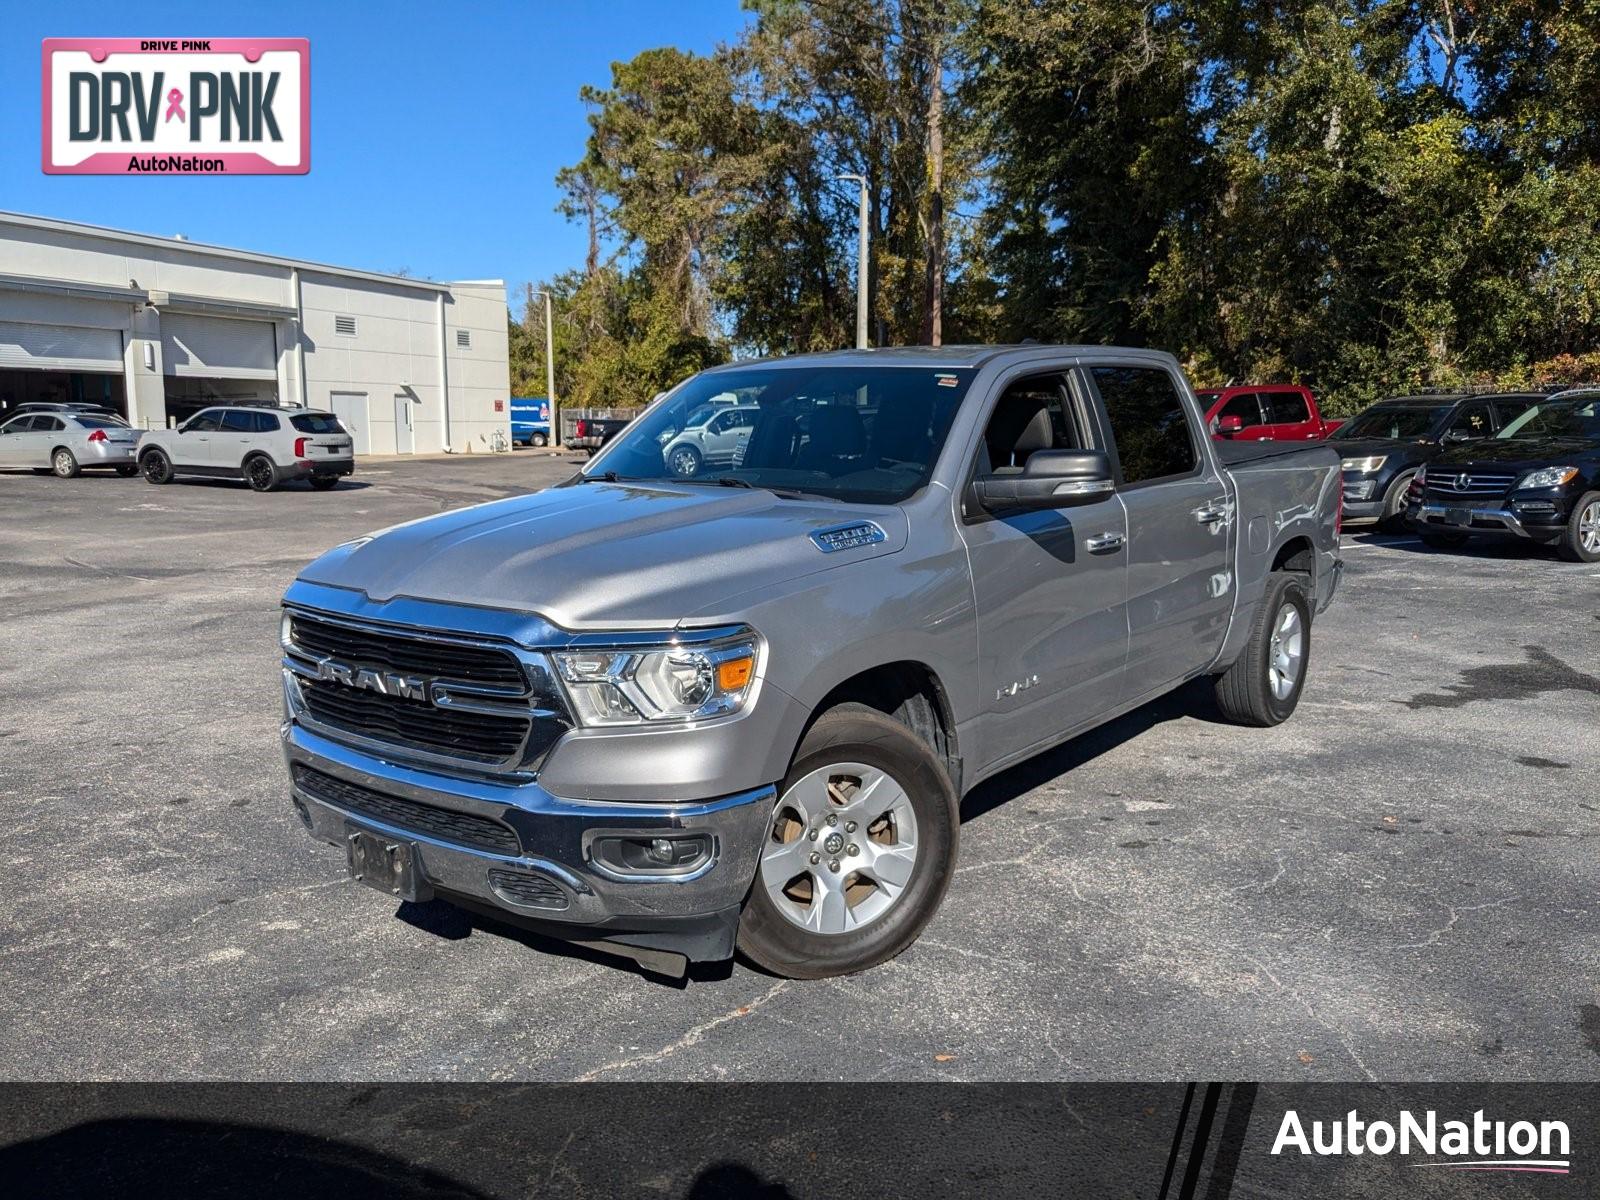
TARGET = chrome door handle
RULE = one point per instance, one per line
(1210, 514)
(1104, 541)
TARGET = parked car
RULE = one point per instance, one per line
(675, 711)
(717, 440)
(593, 433)
(67, 442)
(60, 406)
(265, 447)
(1277, 412)
(530, 420)
(1537, 478)
(1385, 445)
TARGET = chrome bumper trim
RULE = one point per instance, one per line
(1502, 516)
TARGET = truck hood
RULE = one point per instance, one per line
(1519, 453)
(604, 555)
(1400, 448)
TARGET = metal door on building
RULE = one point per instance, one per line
(351, 409)
(405, 432)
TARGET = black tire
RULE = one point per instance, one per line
(685, 462)
(128, 470)
(854, 733)
(324, 483)
(1246, 692)
(260, 473)
(1580, 540)
(64, 464)
(156, 466)
(1393, 519)
(1445, 541)
(538, 440)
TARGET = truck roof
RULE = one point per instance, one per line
(944, 356)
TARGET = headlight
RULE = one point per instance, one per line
(670, 682)
(1365, 466)
(1547, 477)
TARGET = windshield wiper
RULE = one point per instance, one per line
(603, 477)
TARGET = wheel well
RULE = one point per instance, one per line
(1296, 554)
(910, 693)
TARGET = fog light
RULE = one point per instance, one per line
(1539, 506)
(1360, 491)
(674, 854)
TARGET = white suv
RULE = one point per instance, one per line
(262, 446)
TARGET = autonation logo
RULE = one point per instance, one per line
(1476, 1145)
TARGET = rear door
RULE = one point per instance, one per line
(235, 438)
(1287, 413)
(1180, 522)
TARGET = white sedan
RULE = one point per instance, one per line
(69, 442)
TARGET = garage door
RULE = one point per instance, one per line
(59, 348)
(218, 348)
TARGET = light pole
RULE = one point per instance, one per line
(861, 262)
(550, 370)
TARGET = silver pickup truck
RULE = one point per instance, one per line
(683, 713)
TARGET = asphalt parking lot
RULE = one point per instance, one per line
(1400, 883)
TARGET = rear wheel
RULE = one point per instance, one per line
(260, 474)
(1263, 686)
(1444, 541)
(859, 851)
(64, 463)
(157, 467)
(1580, 540)
(538, 439)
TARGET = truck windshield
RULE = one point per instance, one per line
(1393, 421)
(861, 433)
(1560, 418)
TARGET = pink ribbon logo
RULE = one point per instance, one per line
(175, 105)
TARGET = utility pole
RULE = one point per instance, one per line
(550, 367)
(861, 262)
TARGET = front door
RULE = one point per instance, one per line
(191, 446)
(1180, 526)
(405, 430)
(1051, 584)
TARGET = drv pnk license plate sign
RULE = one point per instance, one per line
(174, 106)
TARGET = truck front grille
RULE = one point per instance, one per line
(444, 699)
(429, 820)
(1468, 485)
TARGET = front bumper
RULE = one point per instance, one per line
(1498, 518)
(555, 863)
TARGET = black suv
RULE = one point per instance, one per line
(1384, 446)
(1537, 478)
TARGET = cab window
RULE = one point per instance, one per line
(1033, 414)
(237, 421)
(204, 422)
(1246, 406)
(1148, 423)
(1286, 408)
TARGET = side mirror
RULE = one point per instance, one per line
(1052, 479)
(1230, 425)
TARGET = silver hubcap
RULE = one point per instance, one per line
(1589, 527)
(1287, 651)
(63, 462)
(683, 462)
(841, 850)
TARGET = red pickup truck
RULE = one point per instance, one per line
(1268, 412)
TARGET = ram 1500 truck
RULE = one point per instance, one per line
(739, 707)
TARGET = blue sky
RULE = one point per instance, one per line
(436, 129)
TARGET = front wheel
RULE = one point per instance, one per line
(1263, 686)
(684, 462)
(64, 464)
(859, 851)
(1580, 540)
(1393, 518)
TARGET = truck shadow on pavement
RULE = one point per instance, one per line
(133, 1157)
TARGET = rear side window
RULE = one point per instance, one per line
(1148, 421)
(1286, 408)
(316, 423)
(266, 422)
(48, 424)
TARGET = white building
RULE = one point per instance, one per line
(157, 328)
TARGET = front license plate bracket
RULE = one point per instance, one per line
(387, 864)
(1461, 517)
